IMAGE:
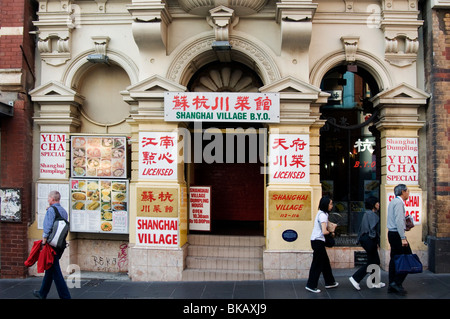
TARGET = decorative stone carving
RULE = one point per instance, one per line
(295, 18)
(350, 47)
(401, 35)
(100, 44)
(150, 22)
(54, 31)
(240, 7)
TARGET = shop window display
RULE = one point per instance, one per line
(349, 148)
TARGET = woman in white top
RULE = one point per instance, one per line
(320, 262)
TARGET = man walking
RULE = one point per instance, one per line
(396, 236)
(54, 272)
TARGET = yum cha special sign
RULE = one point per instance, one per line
(221, 107)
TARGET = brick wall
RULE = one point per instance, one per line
(17, 52)
(437, 47)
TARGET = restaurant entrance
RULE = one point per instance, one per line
(232, 165)
(232, 154)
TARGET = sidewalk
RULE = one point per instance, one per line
(426, 285)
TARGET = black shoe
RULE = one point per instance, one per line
(37, 294)
(393, 287)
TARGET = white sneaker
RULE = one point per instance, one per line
(333, 285)
(354, 283)
(315, 290)
(379, 285)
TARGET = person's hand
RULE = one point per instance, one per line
(331, 227)
(404, 242)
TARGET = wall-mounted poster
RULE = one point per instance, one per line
(98, 156)
(10, 205)
(43, 189)
(402, 161)
(200, 208)
(52, 151)
(99, 206)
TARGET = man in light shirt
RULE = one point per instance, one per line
(396, 236)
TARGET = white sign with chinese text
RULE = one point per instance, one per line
(221, 107)
(289, 158)
(52, 152)
(413, 206)
(158, 155)
(402, 161)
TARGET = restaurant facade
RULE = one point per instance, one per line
(193, 140)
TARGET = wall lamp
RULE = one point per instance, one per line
(98, 58)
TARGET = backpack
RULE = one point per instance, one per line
(58, 234)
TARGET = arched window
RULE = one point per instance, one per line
(349, 147)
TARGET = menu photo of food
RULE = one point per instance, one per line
(99, 205)
(98, 156)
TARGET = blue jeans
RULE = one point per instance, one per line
(54, 274)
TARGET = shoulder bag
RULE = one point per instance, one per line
(329, 239)
(58, 234)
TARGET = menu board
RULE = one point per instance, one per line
(98, 156)
(99, 205)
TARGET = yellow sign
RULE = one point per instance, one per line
(157, 202)
(289, 205)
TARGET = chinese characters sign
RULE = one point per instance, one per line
(200, 208)
(52, 155)
(289, 158)
(158, 155)
(157, 217)
(402, 161)
(222, 107)
(99, 205)
(289, 205)
(98, 156)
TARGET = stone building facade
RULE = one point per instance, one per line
(348, 90)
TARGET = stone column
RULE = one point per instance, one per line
(399, 118)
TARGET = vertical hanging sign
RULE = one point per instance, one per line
(158, 155)
(52, 152)
(289, 158)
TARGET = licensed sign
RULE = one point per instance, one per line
(289, 158)
(158, 155)
(221, 107)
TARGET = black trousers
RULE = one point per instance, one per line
(396, 249)
(370, 245)
(320, 265)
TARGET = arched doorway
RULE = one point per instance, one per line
(350, 167)
(235, 173)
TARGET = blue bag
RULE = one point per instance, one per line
(408, 264)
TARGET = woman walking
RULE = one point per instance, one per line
(320, 262)
(369, 238)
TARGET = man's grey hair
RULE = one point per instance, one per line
(399, 189)
(55, 195)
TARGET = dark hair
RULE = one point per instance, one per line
(324, 203)
(370, 202)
